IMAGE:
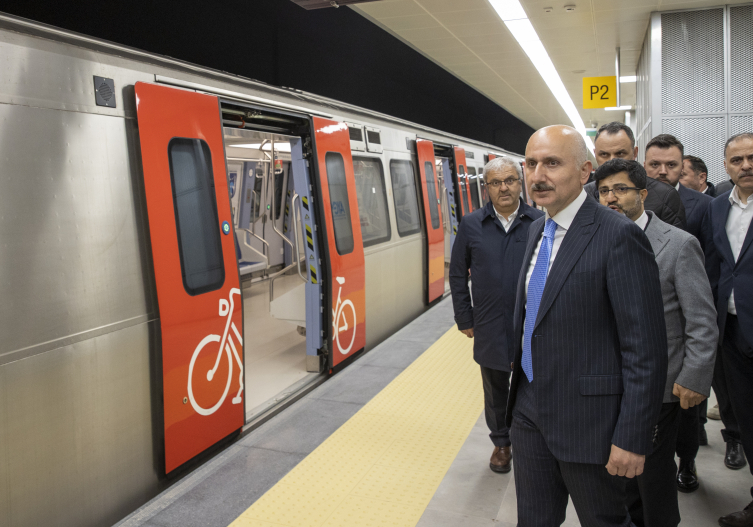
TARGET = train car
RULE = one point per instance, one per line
(183, 252)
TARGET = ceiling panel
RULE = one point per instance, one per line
(468, 38)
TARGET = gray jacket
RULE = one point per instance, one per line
(689, 312)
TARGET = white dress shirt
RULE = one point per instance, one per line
(563, 219)
(507, 223)
(642, 221)
(738, 222)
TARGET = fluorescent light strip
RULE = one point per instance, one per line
(629, 78)
(618, 108)
(516, 20)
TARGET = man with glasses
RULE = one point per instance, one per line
(490, 245)
(692, 335)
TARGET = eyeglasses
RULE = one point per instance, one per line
(617, 191)
(496, 183)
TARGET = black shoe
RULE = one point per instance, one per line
(744, 518)
(734, 459)
(687, 480)
(703, 439)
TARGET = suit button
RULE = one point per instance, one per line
(512, 365)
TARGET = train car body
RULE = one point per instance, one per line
(158, 221)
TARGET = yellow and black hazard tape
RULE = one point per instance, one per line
(309, 238)
(313, 273)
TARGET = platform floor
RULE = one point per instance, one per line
(336, 457)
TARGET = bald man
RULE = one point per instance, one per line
(591, 359)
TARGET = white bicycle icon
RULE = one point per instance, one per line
(339, 312)
(226, 344)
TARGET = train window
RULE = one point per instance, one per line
(279, 191)
(405, 197)
(432, 191)
(372, 200)
(338, 197)
(473, 182)
(196, 217)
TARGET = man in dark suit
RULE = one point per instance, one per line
(616, 140)
(590, 346)
(729, 261)
(664, 163)
(692, 336)
(489, 246)
(695, 175)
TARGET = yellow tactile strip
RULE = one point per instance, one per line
(382, 467)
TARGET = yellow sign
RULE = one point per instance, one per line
(599, 92)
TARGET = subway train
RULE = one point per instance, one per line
(182, 252)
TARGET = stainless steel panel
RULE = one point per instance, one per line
(74, 253)
(394, 287)
(692, 75)
(739, 124)
(703, 137)
(741, 58)
(76, 432)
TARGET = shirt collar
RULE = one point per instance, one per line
(512, 216)
(565, 217)
(735, 198)
(642, 221)
(677, 187)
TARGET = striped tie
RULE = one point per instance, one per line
(535, 291)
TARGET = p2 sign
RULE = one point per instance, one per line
(599, 92)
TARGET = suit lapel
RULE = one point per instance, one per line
(689, 201)
(746, 243)
(575, 242)
(720, 232)
(657, 236)
(534, 234)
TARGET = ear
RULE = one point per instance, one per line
(585, 172)
(643, 192)
(704, 176)
(635, 153)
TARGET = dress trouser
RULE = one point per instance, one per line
(738, 367)
(652, 496)
(543, 483)
(731, 431)
(496, 389)
(687, 435)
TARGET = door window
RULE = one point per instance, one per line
(338, 196)
(196, 217)
(405, 197)
(432, 193)
(372, 200)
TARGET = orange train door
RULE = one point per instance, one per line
(195, 268)
(433, 220)
(464, 196)
(347, 274)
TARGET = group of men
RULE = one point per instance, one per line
(602, 323)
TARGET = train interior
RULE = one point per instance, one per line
(269, 247)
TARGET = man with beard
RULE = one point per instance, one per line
(691, 337)
(489, 246)
(616, 140)
(695, 175)
(729, 261)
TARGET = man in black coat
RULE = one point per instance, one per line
(616, 140)
(590, 346)
(489, 246)
(695, 175)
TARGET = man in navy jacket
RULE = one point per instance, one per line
(591, 346)
(729, 264)
(490, 245)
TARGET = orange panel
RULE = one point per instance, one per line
(464, 196)
(434, 235)
(202, 334)
(347, 271)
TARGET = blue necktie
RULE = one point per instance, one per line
(535, 291)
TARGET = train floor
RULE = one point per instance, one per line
(396, 439)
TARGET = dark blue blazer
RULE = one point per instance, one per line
(726, 274)
(599, 346)
(494, 258)
(695, 204)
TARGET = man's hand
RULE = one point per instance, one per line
(688, 398)
(469, 333)
(624, 463)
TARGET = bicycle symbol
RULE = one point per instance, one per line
(338, 313)
(226, 344)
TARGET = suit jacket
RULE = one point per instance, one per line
(689, 313)
(726, 274)
(710, 189)
(724, 186)
(494, 258)
(695, 204)
(599, 345)
(662, 199)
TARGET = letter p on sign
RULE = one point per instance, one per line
(599, 92)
